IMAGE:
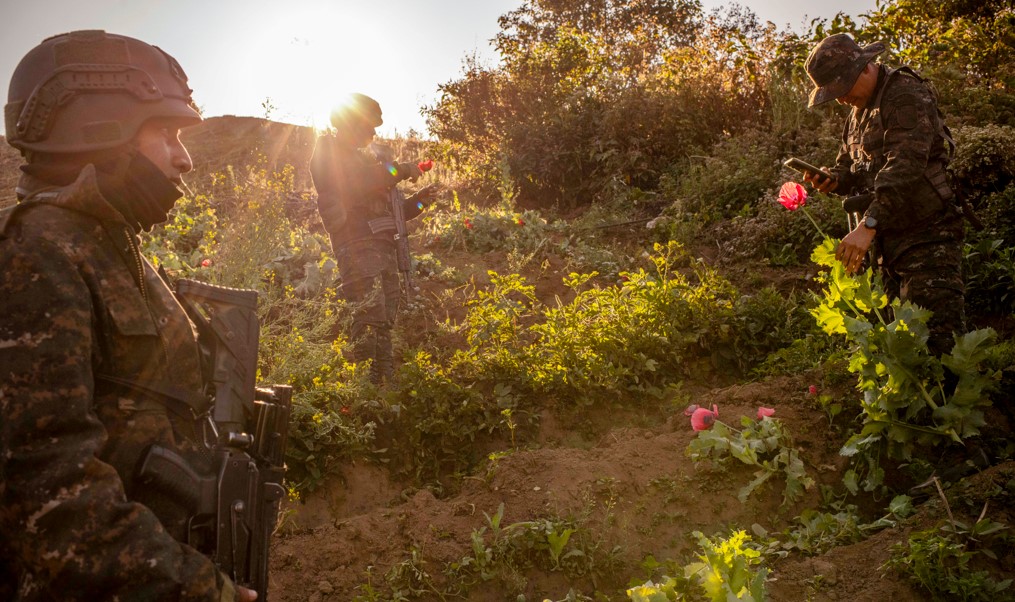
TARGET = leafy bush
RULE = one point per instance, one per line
(989, 269)
(941, 562)
(726, 183)
(906, 404)
(724, 572)
(589, 94)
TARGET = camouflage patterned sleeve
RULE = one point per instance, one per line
(909, 116)
(842, 170)
(67, 531)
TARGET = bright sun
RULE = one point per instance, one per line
(302, 60)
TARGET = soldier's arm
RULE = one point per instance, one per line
(67, 527)
(841, 171)
(414, 205)
(909, 115)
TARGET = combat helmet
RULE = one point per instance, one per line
(90, 90)
(355, 110)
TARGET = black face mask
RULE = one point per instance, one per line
(139, 190)
(131, 183)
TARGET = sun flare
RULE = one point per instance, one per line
(304, 60)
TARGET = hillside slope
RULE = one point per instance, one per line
(620, 477)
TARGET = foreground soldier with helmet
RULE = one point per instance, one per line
(894, 144)
(91, 337)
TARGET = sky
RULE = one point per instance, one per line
(290, 60)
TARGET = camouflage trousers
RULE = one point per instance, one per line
(370, 286)
(930, 275)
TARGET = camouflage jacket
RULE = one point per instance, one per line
(81, 306)
(898, 147)
(353, 188)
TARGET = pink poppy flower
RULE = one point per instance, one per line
(703, 419)
(205, 263)
(764, 412)
(812, 390)
(792, 196)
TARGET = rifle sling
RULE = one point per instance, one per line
(182, 403)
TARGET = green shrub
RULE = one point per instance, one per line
(942, 563)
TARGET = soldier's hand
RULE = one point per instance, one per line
(244, 594)
(853, 248)
(409, 171)
(427, 195)
(822, 181)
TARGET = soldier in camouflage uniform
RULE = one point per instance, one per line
(353, 179)
(92, 341)
(894, 144)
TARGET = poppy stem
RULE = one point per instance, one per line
(807, 213)
(737, 431)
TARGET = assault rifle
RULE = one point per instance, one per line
(402, 232)
(235, 509)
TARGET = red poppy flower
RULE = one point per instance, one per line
(425, 165)
(812, 390)
(345, 410)
(792, 196)
(703, 419)
(205, 263)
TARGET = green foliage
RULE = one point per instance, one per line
(762, 444)
(989, 269)
(801, 355)
(942, 561)
(725, 571)
(778, 236)
(906, 403)
(638, 338)
(726, 183)
(984, 159)
(590, 93)
(446, 414)
(186, 240)
(965, 46)
(518, 546)
(503, 554)
(816, 532)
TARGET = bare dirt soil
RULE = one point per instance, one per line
(639, 491)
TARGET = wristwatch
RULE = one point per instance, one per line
(870, 222)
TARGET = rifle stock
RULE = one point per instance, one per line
(234, 510)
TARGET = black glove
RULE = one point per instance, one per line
(426, 196)
(408, 171)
